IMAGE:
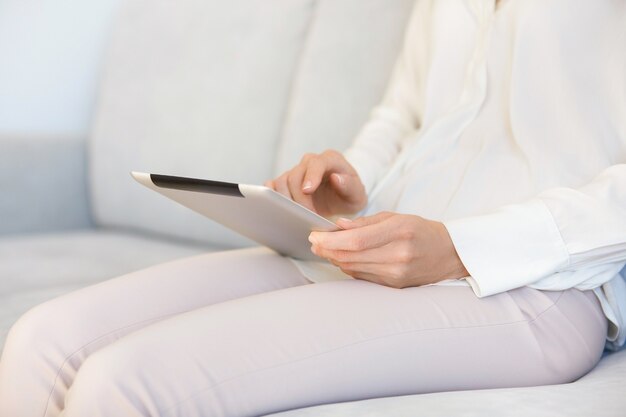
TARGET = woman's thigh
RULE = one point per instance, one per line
(340, 341)
(46, 347)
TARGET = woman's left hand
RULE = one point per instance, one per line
(396, 250)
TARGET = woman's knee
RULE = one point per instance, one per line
(590, 325)
(97, 379)
(35, 331)
(33, 362)
(48, 336)
(102, 380)
(572, 334)
(118, 380)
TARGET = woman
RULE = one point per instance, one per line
(494, 169)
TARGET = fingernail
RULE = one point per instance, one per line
(307, 185)
(340, 179)
(312, 239)
(344, 219)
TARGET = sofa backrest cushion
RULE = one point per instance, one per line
(342, 74)
(192, 88)
(233, 91)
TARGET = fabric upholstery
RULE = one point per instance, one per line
(600, 394)
(35, 268)
(234, 90)
(345, 64)
(192, 88)
(42, 184)
(234, 105)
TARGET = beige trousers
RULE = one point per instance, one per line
(243, 333)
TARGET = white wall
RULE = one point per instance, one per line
(50, 57)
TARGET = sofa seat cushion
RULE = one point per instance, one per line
(36, 268)
(600, 394)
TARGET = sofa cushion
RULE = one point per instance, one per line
(342, 74)
(36, 268)
(42, 184)
(193, 88)
(599, 394)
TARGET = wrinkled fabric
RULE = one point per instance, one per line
(508, 124)
(242, 333)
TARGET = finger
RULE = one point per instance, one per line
(314, 174)
(364, 221)
(280, 186)
(370, 272)
(294, 183)
(381, 255)
(341, 183)
(381, 270)
(376, 218)
(270, 184)
(294, 180)
(347, 186)
(363, 276)
(357, 239)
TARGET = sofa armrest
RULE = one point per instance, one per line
(43, 184)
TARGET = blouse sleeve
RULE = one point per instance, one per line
(572, 237)
(381, 138)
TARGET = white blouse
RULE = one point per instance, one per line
(509, 125)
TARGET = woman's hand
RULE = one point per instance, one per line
(325, 183)
(391, 249)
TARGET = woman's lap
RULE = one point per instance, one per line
(339, 341)
(48, 344)
(310, 344)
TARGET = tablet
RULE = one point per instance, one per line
(254, 211)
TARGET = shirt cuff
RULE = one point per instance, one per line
(509, 248)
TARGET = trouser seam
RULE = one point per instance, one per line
(75, 352)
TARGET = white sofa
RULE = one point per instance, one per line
(237, 91)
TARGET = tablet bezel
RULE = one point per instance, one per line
(283, 224)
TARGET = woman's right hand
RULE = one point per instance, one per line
(325, 183)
